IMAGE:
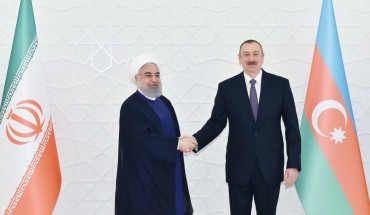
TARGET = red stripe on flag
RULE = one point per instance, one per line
(344, 158)
(39, 189)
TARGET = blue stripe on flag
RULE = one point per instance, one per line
(328, 44)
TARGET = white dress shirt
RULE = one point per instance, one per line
(258, 79)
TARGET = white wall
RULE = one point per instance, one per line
(86, 47)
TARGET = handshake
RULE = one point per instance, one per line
(187, 143)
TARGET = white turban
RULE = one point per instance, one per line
(137, 63)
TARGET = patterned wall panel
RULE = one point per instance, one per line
(86, 47)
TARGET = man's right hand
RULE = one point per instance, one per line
(187, 143)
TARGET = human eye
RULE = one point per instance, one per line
(148, 75)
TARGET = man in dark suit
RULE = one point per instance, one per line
(255, 148)
(151, 178)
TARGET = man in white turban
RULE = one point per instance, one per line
(146, 60)
(151, 177)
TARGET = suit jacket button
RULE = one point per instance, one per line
(256, 134)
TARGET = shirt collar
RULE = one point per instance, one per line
(258, 78)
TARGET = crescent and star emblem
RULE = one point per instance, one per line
(337, 133)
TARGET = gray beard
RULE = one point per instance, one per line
(151, 93)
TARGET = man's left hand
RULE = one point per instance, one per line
(291, 175)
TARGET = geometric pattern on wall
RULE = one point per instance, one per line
(86, 48)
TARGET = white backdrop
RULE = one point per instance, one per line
(86, 47)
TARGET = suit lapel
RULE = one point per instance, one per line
(243, 95)
(264, 95)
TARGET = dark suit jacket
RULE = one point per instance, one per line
(146, 162)
(251, 141)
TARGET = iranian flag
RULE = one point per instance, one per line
(332, 179)
(30, 176)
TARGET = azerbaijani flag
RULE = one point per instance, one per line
(332, 179)
(30, 176)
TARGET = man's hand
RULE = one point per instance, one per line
(187, 143)
(291, 175)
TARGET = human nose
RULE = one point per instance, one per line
(154, 78)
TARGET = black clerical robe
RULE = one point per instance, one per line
(147, 162)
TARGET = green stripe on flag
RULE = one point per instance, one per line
(24, 45)
(317, 186)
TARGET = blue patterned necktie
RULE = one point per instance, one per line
(253, 99)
